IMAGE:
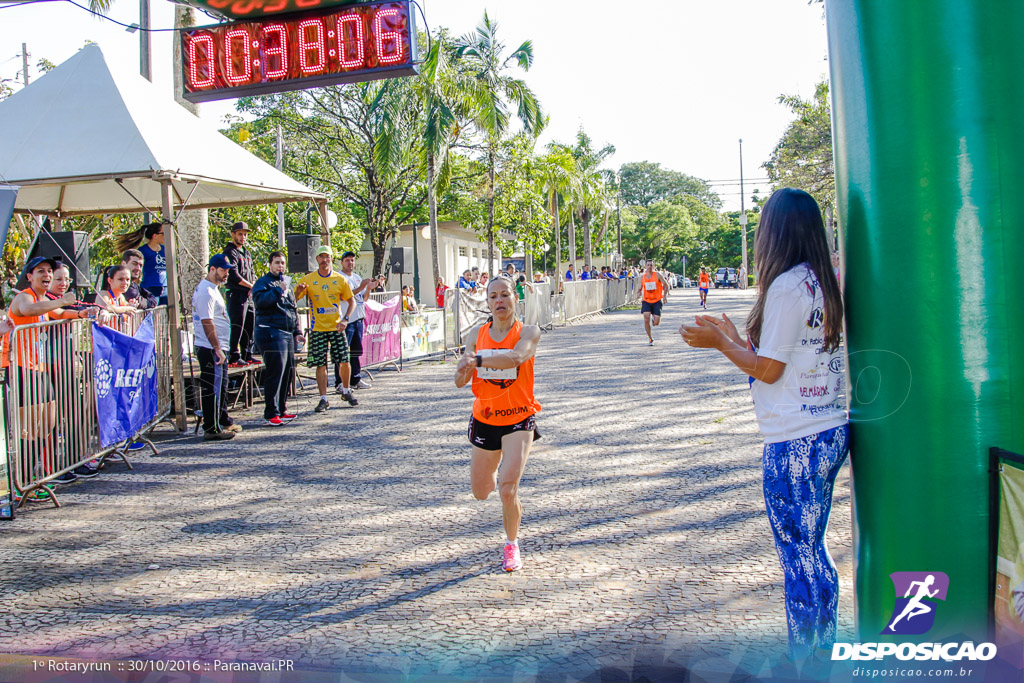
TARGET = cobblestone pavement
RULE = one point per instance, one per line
(350, 540)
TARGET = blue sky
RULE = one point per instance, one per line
(672, 81)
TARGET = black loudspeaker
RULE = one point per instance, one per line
(401, 260)
(302, 253)
(70, 248)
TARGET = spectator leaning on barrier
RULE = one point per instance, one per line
(354, 329)
(61, 368)
(239, 301)
(326, 289)
(37, 410)
(137, 295)
(584, 273)
(466, 281)
(212, 330)
(111, 297)
(569, 275)
(58, 288)
(408, 301)
(277, 331)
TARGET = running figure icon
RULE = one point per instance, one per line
(916, 607)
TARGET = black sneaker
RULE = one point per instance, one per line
(218, 436)
(65, 478)
(350, 397)
(83, 472)
(322, 406)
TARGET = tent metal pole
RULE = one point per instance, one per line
(177, 376)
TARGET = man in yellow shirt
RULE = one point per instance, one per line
(326, 289)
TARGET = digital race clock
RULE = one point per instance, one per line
(306, 50)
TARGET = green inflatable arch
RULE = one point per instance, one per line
(928, 107)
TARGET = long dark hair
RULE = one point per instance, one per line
(132, 240)
(111, 272)
(791, 232)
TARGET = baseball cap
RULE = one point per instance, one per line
(34, 263)
(348, 254)
(325, 250)
(240, 225)
(220, 261)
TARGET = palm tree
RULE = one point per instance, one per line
(447, 92)
(556, 177)
(496, 90)
(592, 191)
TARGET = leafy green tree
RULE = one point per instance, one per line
(803, 157)
(360, 143)
(645, 182)
(659, 232)
(496, 91)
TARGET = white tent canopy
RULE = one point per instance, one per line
(70, 136)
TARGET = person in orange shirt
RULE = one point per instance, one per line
(654, 290)
(499, 362)
(36, 407)
(703, 284)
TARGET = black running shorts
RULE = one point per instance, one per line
(653, 309)
(488, 437)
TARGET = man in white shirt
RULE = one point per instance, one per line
(212, 329)
(354, 331)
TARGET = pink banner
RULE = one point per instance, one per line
(382, 332)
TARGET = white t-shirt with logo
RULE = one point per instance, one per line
(208, 304)
(808, 398)
(354, 280)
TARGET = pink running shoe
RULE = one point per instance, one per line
(511, 563)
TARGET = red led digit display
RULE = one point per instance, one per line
(307, 50)
(250, 9)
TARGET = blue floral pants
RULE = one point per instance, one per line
(798, 480)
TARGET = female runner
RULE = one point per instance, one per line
(796, 367)
(499, 361)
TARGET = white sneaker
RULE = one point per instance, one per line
(363, 384)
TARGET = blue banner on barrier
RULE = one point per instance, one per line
(125, 376)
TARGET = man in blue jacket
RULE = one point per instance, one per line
(277, 330)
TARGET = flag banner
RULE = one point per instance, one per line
(8, 195)
(125, 375)
(382, 340)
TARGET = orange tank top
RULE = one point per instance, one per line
(704, 281)
(503, 397)
(653, 289)
(27, 351)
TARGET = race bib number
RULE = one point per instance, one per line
(494, 373)
(650, 286)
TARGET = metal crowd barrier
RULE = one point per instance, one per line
(52, 421)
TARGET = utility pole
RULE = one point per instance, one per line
(145, 49)
(618, 219)
(24, 63)
(743, 221)
(278, 164)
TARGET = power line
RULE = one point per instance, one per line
(132, 27)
